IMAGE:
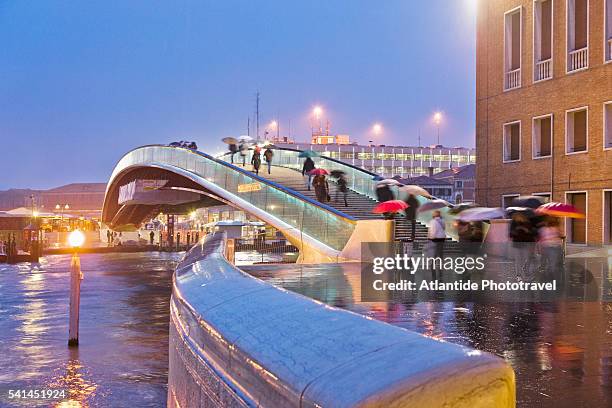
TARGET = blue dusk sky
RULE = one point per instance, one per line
(82, 82)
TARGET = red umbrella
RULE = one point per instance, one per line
(391, 206)
(318, 172)
(559, 210)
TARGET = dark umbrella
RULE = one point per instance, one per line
(528, 201)
(337, 173)
(308, 153)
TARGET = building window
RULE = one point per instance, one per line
(608, 30)
(577, 34)
(545, 196)
(459, 184)
(542, 136)
(576, 131)
(607, 217)
(512, 48)
(607, 117)
(507, 200)
(542, 39)
(576, 227)
(512, 142)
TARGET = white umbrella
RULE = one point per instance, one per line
(388, 182)
(245, 138)
(415, 190)
(480, 214)
(433, 205)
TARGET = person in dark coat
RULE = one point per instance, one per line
(233, 150)
(411, 213)
(306, 169)
(256, 161)
(384, 193)
(342, 189)
(244, 150)
(523, 234)
(268, 154)
(321, 188)
(151, 237)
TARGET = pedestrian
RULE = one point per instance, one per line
(244, 151)
(233, 149)
(436, 234)
(151, 237)
(384, 193)
(256, 161)
(188, 239)
(342, 189)
(268, 154)
(306, 169)
(550, 241)
(197, 237)
(411, 212)
(321, 188)
(178, 240)
(523, 235)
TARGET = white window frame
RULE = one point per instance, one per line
(567, 152)
(504, 141)
(567, 51)
(605, 124)
(586, 224)
(552, 47)
(605, 46)
(503, 196)
(604, 222)
(533, 135)
(520, 10)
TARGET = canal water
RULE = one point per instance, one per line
(561, 351)
(122, 358)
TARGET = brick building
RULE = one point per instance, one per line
(544, 107)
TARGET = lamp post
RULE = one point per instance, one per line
(76, 240)
(61, 208)
(317, 111)
(437, 118)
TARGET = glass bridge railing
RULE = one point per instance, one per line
(303, 214)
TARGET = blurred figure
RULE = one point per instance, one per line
(550, 240)
(233, 149)
(411, 212)
(244, 151)
(342, 188)
(321, 188)
(268, 155)
(384, 193)
(436, 234)
(306, 169)
(151, 237)
(256, 161)
(523, 235)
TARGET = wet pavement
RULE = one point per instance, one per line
(122, 358)
(561, 351)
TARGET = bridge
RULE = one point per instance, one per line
(174, 180)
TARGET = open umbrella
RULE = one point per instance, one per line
(337, 173)
(377, 178)
(318, 172)
(559, 210)
(433, 205)
(459, 208)
(388, 182)
(229, 140)
(480, 214)
(528, 201)
(391, 206)
(415, 190)
(245, 139)
(309, 153)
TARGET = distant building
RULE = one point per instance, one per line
(388, 161)
(442, 189)
(463, 180)
(321, 139)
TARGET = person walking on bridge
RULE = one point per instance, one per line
(306, 169)
(342, 188)
(244, 150)
(233, 149)
(256, 161)
(268, 154)
(411, 212)
(321, 188)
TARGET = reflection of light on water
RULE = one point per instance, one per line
(79, 389)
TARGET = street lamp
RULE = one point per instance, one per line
(377, 129)
(76, 239)
(437, 118)
(274, 127)
(317, 111)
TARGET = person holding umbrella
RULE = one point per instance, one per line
(233, 149)
(307, 168)
(321, 188)
(256, 161)
(268, 154)
(550, 241)
(436, 234)
(244, 150)
(523, 235)
(411, 212)
(342, 186)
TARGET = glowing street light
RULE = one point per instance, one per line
(76, 239)
(273, 126)
(317, 111)
(377, 129)
(437, 118)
